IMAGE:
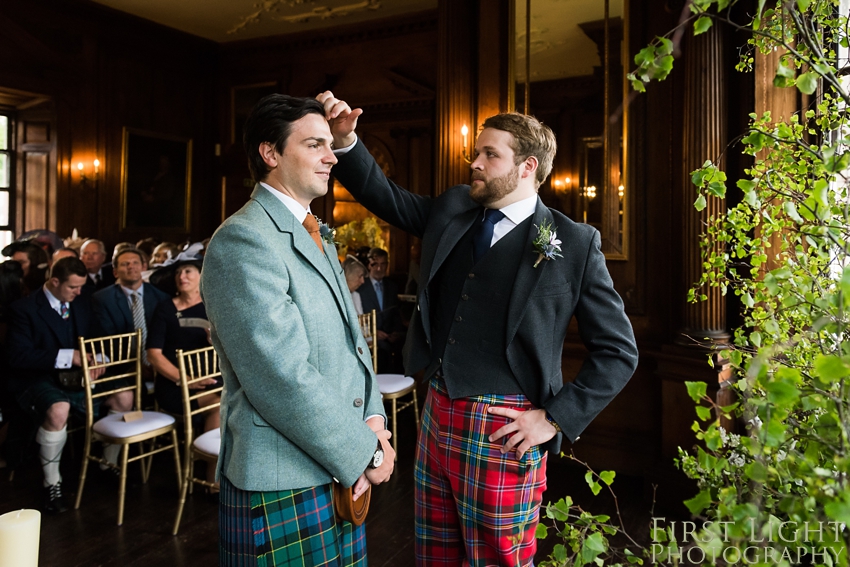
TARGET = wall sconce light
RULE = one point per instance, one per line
(590, 192)
(83, 170)
(621, 191)
(562, 184)
(464, 132)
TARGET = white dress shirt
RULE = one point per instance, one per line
(291, 204)
(129, 294)
(65, 356)
(514, 213)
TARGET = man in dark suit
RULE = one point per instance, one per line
(42, 342)
(130, 303)
(389, 325)
(497, 295)
(99, 275)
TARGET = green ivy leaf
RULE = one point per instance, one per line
(756, 472)
(593, 546)
(802, 5)
(699, 502)
(702, 25)
(781, 393)
(807, 83)
(542, 532)
(703, 413)
(696, 390)
(830, 368)
(607, 477)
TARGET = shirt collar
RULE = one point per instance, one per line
(55, 304)
(294, 206)
(129, 292)
(521, 210)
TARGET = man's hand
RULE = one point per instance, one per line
(383, 472)
(360, 487)
(202, 384)
(382, 336)
(94, 373)
(77, 359)
(529, 428)
(342, 120)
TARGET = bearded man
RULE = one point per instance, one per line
(502, 276)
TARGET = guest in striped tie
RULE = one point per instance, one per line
(130, 303)
(44, 329)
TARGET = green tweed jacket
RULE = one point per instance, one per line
(298, 380)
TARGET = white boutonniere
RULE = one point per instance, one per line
(547, 245)
(326, 233)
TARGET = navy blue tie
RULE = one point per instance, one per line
(484, 233)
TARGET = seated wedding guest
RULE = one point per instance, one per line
(99, 275)
(129, 304)
(179, 322)
(147, 245)
(64, 253)
(164, 252)
(34, 262)
(42, 344)
(355, 275)
(121, 246)
(381, 294)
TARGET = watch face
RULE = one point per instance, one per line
(378, 459)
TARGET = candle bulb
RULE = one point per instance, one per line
(80, 166)
(463, 132)
(19, 533)
(96, 166)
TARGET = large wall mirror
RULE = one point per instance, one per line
(574, 82)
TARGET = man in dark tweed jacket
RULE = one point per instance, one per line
(502, 276)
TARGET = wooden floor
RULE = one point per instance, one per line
(89, 537)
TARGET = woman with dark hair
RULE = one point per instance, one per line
(179, 322)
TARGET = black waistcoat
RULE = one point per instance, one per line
(470, 313)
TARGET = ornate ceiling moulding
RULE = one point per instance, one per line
(271, 9)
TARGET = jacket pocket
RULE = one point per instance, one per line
(552, 289)
(258, 420)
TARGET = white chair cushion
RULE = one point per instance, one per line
(114, 425)
(209, 442)
(392, 383)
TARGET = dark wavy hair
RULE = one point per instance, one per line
(271, 121)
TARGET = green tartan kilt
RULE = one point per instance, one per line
(286, 527)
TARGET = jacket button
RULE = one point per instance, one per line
(464, 297)
(472, 276)
(439, 361)
(451, 341)
(458, 318)
(358, 402)
(418, 308)
(360, 350)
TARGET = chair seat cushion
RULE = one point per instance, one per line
(209, 442)
(114, 425)
(393, 383)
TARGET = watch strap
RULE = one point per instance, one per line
(553, 423)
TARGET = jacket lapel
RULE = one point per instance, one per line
(301, 241)
(51, 318)
(123, 306)
(451, 235)
(527, 275)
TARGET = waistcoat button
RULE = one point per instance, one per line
(358, 402)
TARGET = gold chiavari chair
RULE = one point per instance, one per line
(196, 366)
(120, 357)
(392, 386)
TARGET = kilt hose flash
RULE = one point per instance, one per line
(286, 527)
(474, 506)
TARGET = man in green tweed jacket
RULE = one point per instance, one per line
(301, 406)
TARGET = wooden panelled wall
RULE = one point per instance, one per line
(103, 71)
(418, 78)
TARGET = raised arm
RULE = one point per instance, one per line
(364, 179)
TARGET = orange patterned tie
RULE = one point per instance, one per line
(312, 227)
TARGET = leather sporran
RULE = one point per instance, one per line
(346, 508)
(71, 380)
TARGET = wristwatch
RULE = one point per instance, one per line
(377, 458)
